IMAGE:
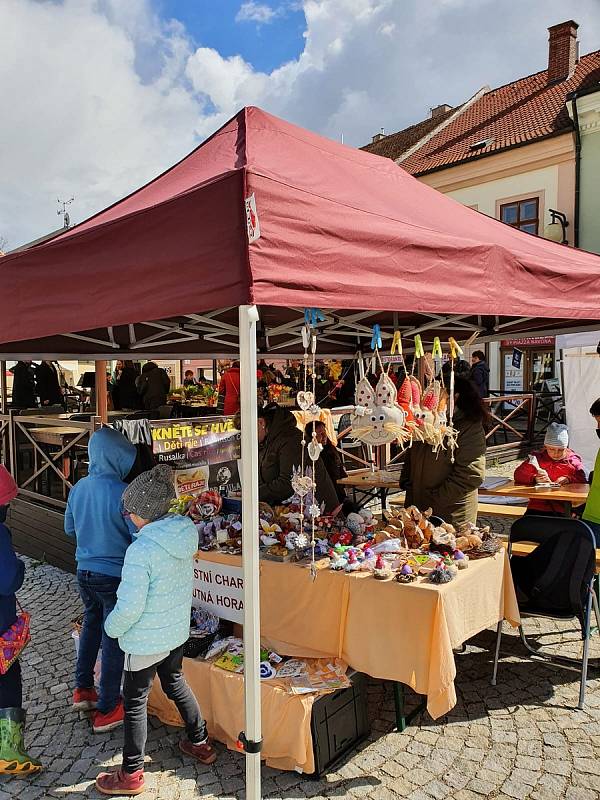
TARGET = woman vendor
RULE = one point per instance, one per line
(433, 480)
(279, 452)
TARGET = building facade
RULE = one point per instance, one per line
(518, 153)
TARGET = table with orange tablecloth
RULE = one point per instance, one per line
(286, 718)
(397, 632)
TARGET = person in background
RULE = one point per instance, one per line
(480, 373)
(188, 378)
(14, 759)
(48, 385)
(229, 390)
(279, 452)
(449, 486)
(331, 458)
(555, 464)
(23, 388)
(152, 621)
(123, 387)
(95, 517)
(591, 512)
(153, 386)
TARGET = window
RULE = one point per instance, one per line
(522, 214)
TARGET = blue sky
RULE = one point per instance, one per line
(213, 23)
(116, 94)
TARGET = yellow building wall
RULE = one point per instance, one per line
(543, 169)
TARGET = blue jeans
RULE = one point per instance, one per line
(99, 595)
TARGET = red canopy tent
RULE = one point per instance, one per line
(166, 268)
(339, 229)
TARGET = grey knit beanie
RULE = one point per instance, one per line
(557, 435)
(150, 494)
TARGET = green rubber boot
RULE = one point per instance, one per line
(13, 758)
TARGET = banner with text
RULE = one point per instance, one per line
(204, 453)
(219, 588)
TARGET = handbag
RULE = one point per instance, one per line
(14, 640)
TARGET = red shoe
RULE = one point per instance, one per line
(85, 699)
(205, 753)
(106, 722)
(120, 782)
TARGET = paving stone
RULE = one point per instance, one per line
(515, 741)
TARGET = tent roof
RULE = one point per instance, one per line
(339, 229)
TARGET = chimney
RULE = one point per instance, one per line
(439, 110)
(562, 50)
(378, 136)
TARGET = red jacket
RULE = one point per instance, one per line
(570, 467)
(229, 388)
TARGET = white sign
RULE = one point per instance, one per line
(219, 588)
(252, 221)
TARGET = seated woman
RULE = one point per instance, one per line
(554, 463)
(279, 452)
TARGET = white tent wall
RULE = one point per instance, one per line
(581, 386)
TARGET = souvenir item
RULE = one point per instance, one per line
(460, 559)
(490, 545)
(406, 574)
(292, 669)
(266, 671)
(382, 570)
(441, 574)
(377, 418)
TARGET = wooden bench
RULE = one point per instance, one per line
(483, 509)
(525, 548)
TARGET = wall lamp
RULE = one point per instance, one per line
(556, 230)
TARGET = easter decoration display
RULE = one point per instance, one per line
(413, 413)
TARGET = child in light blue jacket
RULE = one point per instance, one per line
(151, 620)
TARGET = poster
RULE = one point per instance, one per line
(204, 452)
(517, 358)
(219, 588)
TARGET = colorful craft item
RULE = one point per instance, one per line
(376, 338)
(378, 419)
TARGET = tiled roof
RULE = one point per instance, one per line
(396, 144)
(518, 113)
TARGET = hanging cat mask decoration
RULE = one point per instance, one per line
(377, 418)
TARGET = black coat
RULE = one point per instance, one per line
(280, 452)
(124, 392)
(153, 385)
(23, 391)
(48, 386)
(480, 375)
(12, 571)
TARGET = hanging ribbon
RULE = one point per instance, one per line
(419, 351)
(396, 344)
(312, 316)
(455, 348)
(437, 348)
(376, 338)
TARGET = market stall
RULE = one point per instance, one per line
(223, 252)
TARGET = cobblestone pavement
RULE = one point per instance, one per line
(520, 739)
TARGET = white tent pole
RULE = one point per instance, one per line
(248, 317)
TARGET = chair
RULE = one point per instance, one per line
(555, 580)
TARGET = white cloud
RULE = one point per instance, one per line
(98, 96)
(251, 11)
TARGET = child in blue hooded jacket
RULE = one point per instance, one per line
(95, 516)
(152, 620)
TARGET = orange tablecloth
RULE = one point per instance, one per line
(287, 738)
(392, 631)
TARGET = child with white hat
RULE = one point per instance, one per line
(555, 463)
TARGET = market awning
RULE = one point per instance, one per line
(332, 227)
